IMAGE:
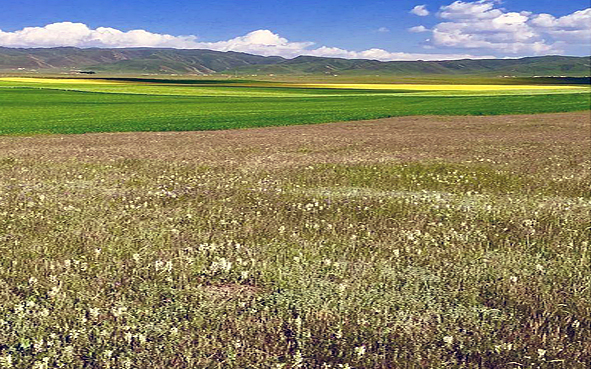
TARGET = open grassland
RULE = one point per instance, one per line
(50, 105)
(413, 242)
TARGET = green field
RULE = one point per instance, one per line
(33, 106)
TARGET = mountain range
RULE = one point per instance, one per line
(208, 62)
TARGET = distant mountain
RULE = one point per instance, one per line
(132, 60)
(524, 67)
(175, 61)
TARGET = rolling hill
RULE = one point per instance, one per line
(206, 62)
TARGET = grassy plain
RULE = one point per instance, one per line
(410, 242)
(53, 105)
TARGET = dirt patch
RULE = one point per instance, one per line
(232, 291)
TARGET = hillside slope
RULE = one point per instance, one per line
(142, 60)
(532, 66)
(169, 61)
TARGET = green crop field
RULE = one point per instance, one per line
(31, 106)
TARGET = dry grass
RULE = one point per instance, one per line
(420, 242)
(384, 140)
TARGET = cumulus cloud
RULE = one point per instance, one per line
(482, 25)
(260, 42)
(79, 35)
(420, 10)
(459, 10)
(418, 29)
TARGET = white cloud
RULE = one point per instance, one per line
(383, 55)
(481, 25)
(420, 10)
(79, 35)
(260, 42)
(383, 30)
(418, 29)
(457, 10)
(579, 20)
(543, 20)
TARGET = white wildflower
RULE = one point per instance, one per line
(360, 351)
(513, 279)
(94, 312)
(6, 361)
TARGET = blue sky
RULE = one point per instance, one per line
(344, 28)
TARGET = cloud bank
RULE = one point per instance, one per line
(260, 42)
(482, 25)
(79, 35)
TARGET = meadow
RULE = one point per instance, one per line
(445, 241)
(43, 105)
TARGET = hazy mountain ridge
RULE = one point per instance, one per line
(177, 61)
(138, 60)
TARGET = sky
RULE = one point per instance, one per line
(369, 29)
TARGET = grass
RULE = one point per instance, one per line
(414, 242)
(36, 105)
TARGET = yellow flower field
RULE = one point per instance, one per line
(58, 80)
(432, 87)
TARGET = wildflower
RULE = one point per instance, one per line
(6, 361)
(118, 311)
(513, 279)
(54, 291)
(448, 339)
(360, 351)
(94, 312)
(69, 353)
(41, 364)
(222, 265)
(504, 346)
(298, 360)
